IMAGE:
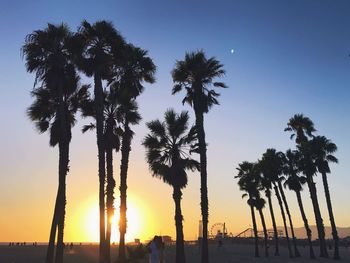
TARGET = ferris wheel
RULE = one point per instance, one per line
(218, 230)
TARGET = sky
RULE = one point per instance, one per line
(289, 57)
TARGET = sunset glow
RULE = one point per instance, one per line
(86, 222)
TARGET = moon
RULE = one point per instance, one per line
(232, 51)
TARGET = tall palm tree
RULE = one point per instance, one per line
(266, 185)
(308, 167)
(303, 128)
(196, 74)
(248, 182)
(134, 68)
(112, 134)
(259, 205)
(127, 115)
(295, 183)
(324, 154)
(168, 146)
(271, 165)
(57, 95)
(96, 59)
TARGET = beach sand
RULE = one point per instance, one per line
(230, 253)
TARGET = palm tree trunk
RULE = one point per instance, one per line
(296, 251)
(284, 220)
(265, 232)
(318, 217)
(180, 248)
(256, 238)
(98, 91)
(63, 146)
(306, 224)
(63, 168)
(125, 151)
(204, 188)
(110, 200)
(331, 216)
(268, 195)
(51, 246)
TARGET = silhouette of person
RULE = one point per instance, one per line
(161, 247)
(156, 247)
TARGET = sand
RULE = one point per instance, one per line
(230, 253)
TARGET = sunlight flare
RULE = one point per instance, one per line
(135, 221)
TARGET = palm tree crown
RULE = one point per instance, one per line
(248, 178)
(195, 73)
(301, 126)
(112, 130)
(96, 45)
(324, 150)
(168, 146)
(134, 67)
(271, 165)
(43, 111)
(291, 169)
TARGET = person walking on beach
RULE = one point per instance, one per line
(156, 247)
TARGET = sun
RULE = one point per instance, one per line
(134, 223)
(134, 216)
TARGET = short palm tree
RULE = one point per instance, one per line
(56, 94)
(259, 204)
(295, 183)
(284, 199)
(248, 182)
(271, 165)
(196, 74)
(266, 185)
(168, 146)
(303, 128)
(95, 59)
(134, 68)
(324, 150)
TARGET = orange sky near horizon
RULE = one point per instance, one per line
(150, 201)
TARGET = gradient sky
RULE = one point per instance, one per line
(289, 57)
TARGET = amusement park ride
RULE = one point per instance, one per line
(219, 231)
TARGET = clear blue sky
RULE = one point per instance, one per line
(289, 57)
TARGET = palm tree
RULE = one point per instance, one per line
(196, 74)
(111, 133)
(266, 185)
(295, 183)
(57, 95)
(303, 127)
(259, 205)
(96, 59)
(127, 115)
(308, 167)
(248, 182)
(134, 68)
(324, 154)
(168, 146)
(284, 199)
(271, 165)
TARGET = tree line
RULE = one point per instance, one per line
(293, 169)
(119, 70)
